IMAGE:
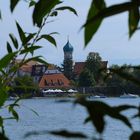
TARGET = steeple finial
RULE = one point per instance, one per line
(68, 38)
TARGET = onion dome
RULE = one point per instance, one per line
(68, 47)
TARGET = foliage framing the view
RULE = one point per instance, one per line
(42, 10)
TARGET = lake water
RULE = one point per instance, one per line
(56, 116)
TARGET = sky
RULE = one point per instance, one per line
(111, 41)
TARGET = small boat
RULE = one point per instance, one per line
(97, 96)
(128, 95)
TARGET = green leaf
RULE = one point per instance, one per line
(13, 4)
(53, 33)
(91, 29)
(21, 34)
(101, 14)
(48, 38)
(9, 48)
(14, 40)
(42, 8)
(14, 113)
(29, 37)
(6, 60)
(30, 49)
(133, 20)
(68, 134)
(113, 10)
(3, 96)
(1, 121)
(67, 8)
(32, 3)
(37, 58)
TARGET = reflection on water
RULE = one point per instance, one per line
(56, 116)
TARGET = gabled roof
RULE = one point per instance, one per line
(78, 67)
(26, 69)
(29, 63)
(54, 80)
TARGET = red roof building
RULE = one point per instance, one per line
(54, 80)
(78, 67)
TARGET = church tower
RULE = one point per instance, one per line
(68, 60)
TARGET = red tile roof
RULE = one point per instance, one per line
(78, 67)
(54, 80)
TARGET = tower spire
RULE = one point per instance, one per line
(67, 38)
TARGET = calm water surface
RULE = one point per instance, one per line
(56, 116)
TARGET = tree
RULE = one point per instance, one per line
(24, 86)
(86, 79)
(95, 66)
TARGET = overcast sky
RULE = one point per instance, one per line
(111, 41)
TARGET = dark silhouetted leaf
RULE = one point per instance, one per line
(13, 4)
(38, 59)
(6, 60)
(21, 33)
(133, 20)
(32, 110)
(9, 48)
(97, 110)
(135, 136)
(42, 8)
(49, 38)
(54, 13)
(3, 96)
(67, 134)
(54, 33)
(62, 133)
(3, 137)
(90, 29)
(112, 10)
(30, 49)
(67, 8)
(32, 3)
(29, 37)
(87, 120)
(124, 107)
(14, 113)
(138, 113)
(0, 15)
(1, 121)
(14, 40)
(106, 12)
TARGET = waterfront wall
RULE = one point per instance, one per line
(113, 91)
